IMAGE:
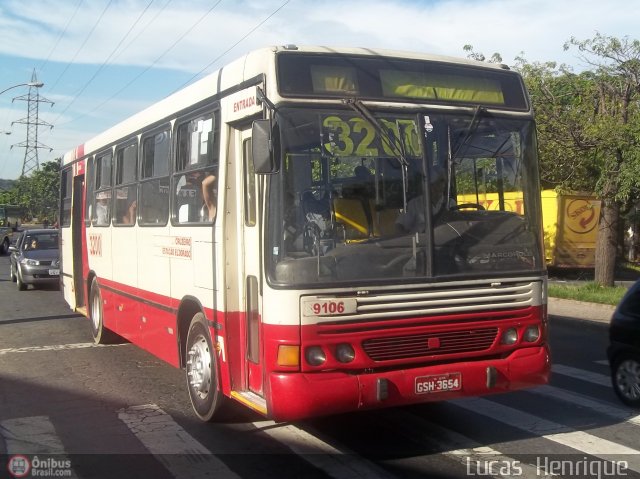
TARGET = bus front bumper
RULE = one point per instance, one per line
(301, 395)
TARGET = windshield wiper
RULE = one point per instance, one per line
(398, 148)
(357, 106)
(471, 129)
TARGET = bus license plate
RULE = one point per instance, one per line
(54, 272)
(439, 383)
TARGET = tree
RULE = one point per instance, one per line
(614, 130)
(38, 194)
(589, 130)
(588, 125)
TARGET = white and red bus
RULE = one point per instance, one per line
(297, 231)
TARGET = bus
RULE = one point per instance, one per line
(286, 231)
(10, 219)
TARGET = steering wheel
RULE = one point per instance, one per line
(465, 206)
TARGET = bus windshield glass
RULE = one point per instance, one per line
(402, 196)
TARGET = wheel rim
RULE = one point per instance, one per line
(628, 379)
(96, 312)
(199, 367)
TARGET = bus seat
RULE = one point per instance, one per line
(350, 213)
(384, 220)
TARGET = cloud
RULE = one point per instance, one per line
(176, 40)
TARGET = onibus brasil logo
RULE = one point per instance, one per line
(20, 466)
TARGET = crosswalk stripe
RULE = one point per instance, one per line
(31, 435)
(471, 454)
(175, 448)
(595, 405)
(583, 375)
(561, 434)
(337, 462)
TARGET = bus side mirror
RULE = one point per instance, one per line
(262, 148)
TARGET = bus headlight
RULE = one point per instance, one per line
(315, 356)
(510, 336)
(345, 353)
(531, 334)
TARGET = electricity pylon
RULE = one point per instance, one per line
(32, 145)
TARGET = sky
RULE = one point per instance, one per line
(103, 60)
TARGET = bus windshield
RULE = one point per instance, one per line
(407, 196)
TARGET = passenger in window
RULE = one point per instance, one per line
(196, 197)
(102, 211)
(129, 216)
(209, 195)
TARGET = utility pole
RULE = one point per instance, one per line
(32, 120)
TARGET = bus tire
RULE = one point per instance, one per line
(201, 371)
(101, 335)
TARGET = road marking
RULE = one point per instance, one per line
(36, 435)
(595, 378)
(58, 347)
(474, 456)
(337, 462)
(31, 435)
(559, 433)
(595, 405)
(179, 452)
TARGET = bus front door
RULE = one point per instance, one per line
(244, 268)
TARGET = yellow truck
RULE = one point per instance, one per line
(570, 223)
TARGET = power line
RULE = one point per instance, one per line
(42, 65)
(133, 80)
(144, 29)
(105, 63)
(234, 45)
(83, 44)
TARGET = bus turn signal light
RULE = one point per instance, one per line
(289, 355)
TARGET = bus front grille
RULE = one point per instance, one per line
(430, 344)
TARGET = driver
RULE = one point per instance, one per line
(412, 220)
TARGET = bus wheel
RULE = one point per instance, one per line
(101, 335)
(202, 371)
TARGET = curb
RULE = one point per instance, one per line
(580, 310)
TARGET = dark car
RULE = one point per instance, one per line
(624, 348)
(35, 258)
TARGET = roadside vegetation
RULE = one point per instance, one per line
(579, 285)
(590, 292)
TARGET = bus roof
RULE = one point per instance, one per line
(244, 68)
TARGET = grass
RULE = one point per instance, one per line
(589, 292)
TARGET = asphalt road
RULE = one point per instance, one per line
(116, 411)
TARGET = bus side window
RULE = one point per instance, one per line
(153, 207)
(101, 214)
(196, 163)
(126, 199)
